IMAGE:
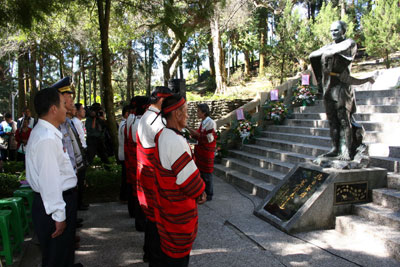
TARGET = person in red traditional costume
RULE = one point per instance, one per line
(204, 151)
(130, 156)
(179, 186)
(150, 124)
(142, 102)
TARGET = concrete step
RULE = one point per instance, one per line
(360, 109)
(377, 93)
(378, 214)
(359, 117)
(307, 149)
(386, 197)
(262, 162)
(370, 136)
(361, 229)
(389, 163)
(274, 153)
(252, 185)
(394, 151)
(378, 101)
(323, 123)
(299, 138)
(393, 180)
(273, 175)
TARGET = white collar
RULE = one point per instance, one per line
(50, 126)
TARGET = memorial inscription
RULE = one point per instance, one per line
(346, 193)
(292, 195)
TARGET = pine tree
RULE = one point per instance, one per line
(382, 29)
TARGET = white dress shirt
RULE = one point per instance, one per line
(149, 126)
(80, 128)
(121, 139)
(48, 168)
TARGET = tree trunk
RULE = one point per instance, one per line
(61, 65)
(342, 9)
(218, 63)
(78, 85)
(21, 83)
(32, 74)
(83, 71)
(211, 59)
(150, 66)
(282, 68)
(129, 69)
(104, 21)
(387, 59)
(169, 66)
(246, 62)
(181, 66)
(95, 79)
(263, 34)
(41, 65)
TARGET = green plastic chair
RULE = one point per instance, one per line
(7, 251)
(18, 219)
(28, 195)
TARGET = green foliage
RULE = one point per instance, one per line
(320, 29)
(304, 95)
(103, 181)
(275, 111)
(382, 29)
(8, 184)
(14, 167)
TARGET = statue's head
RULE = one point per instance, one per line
(338, 30)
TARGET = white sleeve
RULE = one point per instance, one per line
(174, 156)
(49, 183)
(79, 127)
(208, 126)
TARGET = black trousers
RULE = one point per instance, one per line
(123, 195)
(130, 198)
(174, 262)
(81, 185)
(140, 217)
(152, 244)
(59, 251)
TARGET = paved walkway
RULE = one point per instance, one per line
(229, 235)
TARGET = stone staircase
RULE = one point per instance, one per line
(258, 168)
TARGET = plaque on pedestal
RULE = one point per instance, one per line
(309, 197)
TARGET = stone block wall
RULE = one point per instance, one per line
(218, 109)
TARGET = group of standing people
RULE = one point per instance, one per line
(165, 180)
(14, 136)
(58, 152)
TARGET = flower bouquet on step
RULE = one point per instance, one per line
(244, 129)
(276, 111)
(304, 95)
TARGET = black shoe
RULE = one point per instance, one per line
(78, 265)
(79, 220)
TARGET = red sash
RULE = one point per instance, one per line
(177, 217)
(145, 179)
(130, 158)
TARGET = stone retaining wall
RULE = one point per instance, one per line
(218, 109)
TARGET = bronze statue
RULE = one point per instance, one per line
(331, 65)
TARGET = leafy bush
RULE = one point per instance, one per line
(276, 111)
(304, 95)
(103, 181)
(13, 167)
(8, 184)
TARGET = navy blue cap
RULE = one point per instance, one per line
(64, 86)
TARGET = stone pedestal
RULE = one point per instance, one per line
(309, 197)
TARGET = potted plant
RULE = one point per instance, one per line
(276, 111)
(304, 95)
